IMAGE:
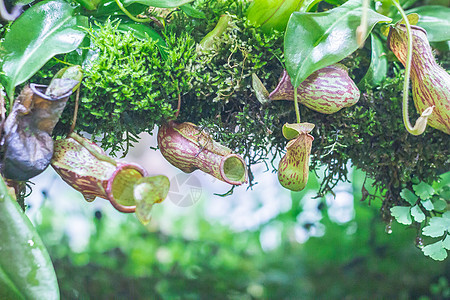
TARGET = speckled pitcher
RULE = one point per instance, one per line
(188, 148)
(79, 165)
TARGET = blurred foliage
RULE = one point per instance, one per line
(201, 259)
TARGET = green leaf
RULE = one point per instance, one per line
(270, 14)
(378, 63)
(402, 214)
(440, 205)
(443, 182)
(213, 37)
(261, 92)
(158, 3)
(316, 40)
(438, 226)
(25, 267)
(417, 213)
(110, 7)
(192, 11)
(423, 190)
(21, 2)
(428, 205)
(46, 29)
(445, 194)
(143, 32)
(89, 4)
(436, 251)
(435, 19)
(412, 19)
(446, 242)
(7, 288)
(409, 196)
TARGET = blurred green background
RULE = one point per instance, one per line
(306, 248)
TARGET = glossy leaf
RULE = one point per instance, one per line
(317, 40)
(89, 4)
(7, 288)
(21, 2)
(435, 19)
(270, 14)
(402, 214)
(335, 2)
(436, 251)
(46, 29)
(26, 271)
(158, 3)
(378, 62)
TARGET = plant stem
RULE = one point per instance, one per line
(125, 11)
(361, 31)
(297, 110)
(417, 129)
(75, 111)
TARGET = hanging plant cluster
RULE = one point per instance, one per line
(217, 62)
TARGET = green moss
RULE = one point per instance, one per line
(129, 89)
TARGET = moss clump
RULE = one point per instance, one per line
(130, 88)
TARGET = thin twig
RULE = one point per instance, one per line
(75, 111)
(179, 98)
(2, 112)
(297, 110)
(125, 11)
(361, 31)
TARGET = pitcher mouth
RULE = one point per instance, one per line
(233, 169)
(129, 173)
(39, 90)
